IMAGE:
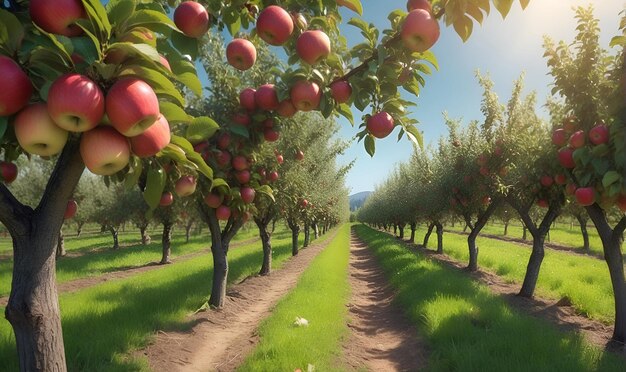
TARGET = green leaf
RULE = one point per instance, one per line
(185, 44)
(174, 113)
(185, 72)
(192, 155)
(11, 32)
(617, 41)
(219, 182)
(463, 27)
(136, 167)
(155, 184)
(153, 20)
(346, 112)
(610, 178)
(99, 19)
(120, 10)
(359, 23)
(201, 129)
(160, 83)
(370, 145)
(524, 3)
(355, 5)
(414, 135)
(83, 46)
(503, 6)
(266, 190)
(240, 130)
(175, 153)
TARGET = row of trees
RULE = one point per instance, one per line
(512, 159)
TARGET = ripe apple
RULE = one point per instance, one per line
(274, 25)
(418, 4)
(577, 139)
(341, 91)
(247, 100)
(272, 176)
(280, 159)
(222, 212)
(223, 158)
(543, 203)
(270, 135)
(192, 19)
(261, 172)
(268, 123)
(266, 97)
(546, 181)
(242, 119)
(566, 157)
(104, 150)
(58, 17)
(240, 162)
(16, 87)
(166, 199)
(140, 35)
(185, 186)
(420, 31)
(380, 125)
(213, 200)
(570, 189)
(247, 194)
(299, 155)
(37, 133)
(560, 179)
(70, 209)
(304, 203)
(286, 109)
(223, 141)
(243, 176)
(132, 106)
(313, 46)
(75, 103)
(559, 137)
(153, 139)
(498, 151)
(621, 202)
(599, 134)
(305, 95)
(165, 63)
(241, 54)
(585, 196)
(8, 171)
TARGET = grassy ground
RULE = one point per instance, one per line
(101, 260)
(102, 324)
(469, 328)
(320, 297)
(585, 280)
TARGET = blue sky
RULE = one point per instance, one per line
(502, 48)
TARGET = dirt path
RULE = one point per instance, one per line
(381, 339)
(221, 339)
(82, 283)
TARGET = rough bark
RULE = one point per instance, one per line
(401, 229)
(166, 241)
(506, 228)
(524, 232)
(266, 242)
(582, 221)
(113, 230)
(295, 233)
(316, 232)
(439, 237)
(33, 307)
(79, 228)
(481, 221)
(188, 227)
(395, 229)
(61, 245)
(413, 226)
(145, 237)
(307, 235)
(427, 236)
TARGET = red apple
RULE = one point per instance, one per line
(543, 203)
(305, 95)
(585, 196)
(75, 103)
(57, 17)
(420, 31)
(570, 189)
(241, 54)
(274, 25)
(240, 163)
(599, 134)
(304, 203)
(621, 202)
(268, 123)
(546, 181)
(223, 158)
(341, 91)
(261, 172)
(577, 139)
(559, 137)
(185, 186)
(192, 19)
(71, 209)
(37, 133)
(272, 176)
(286, 109)
(247, 194)
(222, 213)
(247, 100)
(243, 176)
(498, 151)
(566, 157)
(104, 150)
(270, 135)
(153, 139)
(299, 155)
(418, 4)
(223, 141)
(166, 199)
(280, 159)
(8, 171)
(266, 97)
(213, 200)
(560, 179)
(380, 125)
(132, 106)
(16, 87)
(313, 46)
(242, 119)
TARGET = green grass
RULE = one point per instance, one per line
(99, 261)
(102, 324)
(319, 297)
(585, 280)
(469, 328)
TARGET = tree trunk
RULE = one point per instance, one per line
(439, 237)
(533, 267)
(506, 228)
(524, 232)
(583, 229)
(188, 227)
(307, 235)
(473, 250)
(116, 243)
(465, 228)
(295, 232)
(427, 236)
(61, 245)
(266, 242)
(145, 237)
(395, 229)
(166, 241)
(79, 228)
(481, 221)
(413, 226)
(316, 232)
(401, 228)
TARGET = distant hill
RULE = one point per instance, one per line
(357, 200)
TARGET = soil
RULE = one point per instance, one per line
(221, 339)
(381, 338)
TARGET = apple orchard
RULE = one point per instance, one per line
(113, 87)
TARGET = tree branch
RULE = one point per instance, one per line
(13, 214)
